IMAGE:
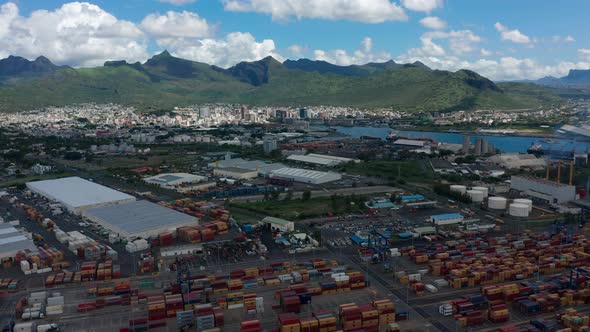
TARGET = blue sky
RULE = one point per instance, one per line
(501, 39)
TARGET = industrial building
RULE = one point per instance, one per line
(411, 143)
(140, 219)
(12, 241)
(320, 159)
(305, 175)
(517, 160)
(280, 225)
(235, 173)
(262, 168)
(447, 219)
(542, 189)
(77, 194)
(174, 180)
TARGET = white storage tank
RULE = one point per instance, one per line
(482, 189)
(458, 188)
(519, 210)
(497, 203)
(475, 195)
(524, 201)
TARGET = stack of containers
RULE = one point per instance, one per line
(174, 303)
(138, 324)
(166, 239)
(574, 320)
(156, 310)
(386, 311)
(290, 302)
(350, 316)
(498, 312)
(326, 320)
(147, 263)
(250, 303)
(370, 317)
(88, 271)
(185, 318)
(189, 234)
(250, 326)
(207, 234)
(205, 316)
(219, 316)
(309, 324)
(116, 271)
(289, 323)
(122, 287)
(357, 280)
(55, 305)
(193, 297)
(328, 287)
(235, 284)
(235, 300)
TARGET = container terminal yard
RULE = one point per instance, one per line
(104, 260)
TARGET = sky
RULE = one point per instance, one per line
(500, 39)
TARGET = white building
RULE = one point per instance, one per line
(13, 240)
(174, 180)
(280, 225)
(542, 189)
(447, 219)
(517, 160)
(322, 160)
(305, 175)
(235, 173)
(77, 194)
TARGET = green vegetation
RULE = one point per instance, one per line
(165, 81)
(22, 180)
(401, 171)
(445, 190)
(301, 209)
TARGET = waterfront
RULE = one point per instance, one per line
(506, 143)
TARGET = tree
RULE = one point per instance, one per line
(266, 196)
(306, 195)
(275, 195)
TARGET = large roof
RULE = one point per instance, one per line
(171, 179)
(276, 221)
(137, 218)
(76, 192)
(298, 172)
(13, 240)
(447, 216)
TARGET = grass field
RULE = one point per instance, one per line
(31, 178)
(410, 171)
(300, 209)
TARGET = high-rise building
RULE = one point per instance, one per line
(269, 145)
(466, 144)
(484, 146)
(478, 147)
(243, 112)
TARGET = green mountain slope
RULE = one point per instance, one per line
(166, 81)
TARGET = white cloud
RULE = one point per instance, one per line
(77, 33)
(178, 2)
(584, 54)
(569, 39)
(459, 42)
(433, 22)
(296, 51)
(234, 48)
(176, 25)
(360, 56)
(422, 5)
(514, 36)
(485, 52)
(367, 44)
(373, 11)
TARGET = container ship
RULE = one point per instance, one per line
(539, 150)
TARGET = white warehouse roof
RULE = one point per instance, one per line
(305, 175)
(76, 193)
(173, 179)
(320, 159)
(140, 218)
(12, 241)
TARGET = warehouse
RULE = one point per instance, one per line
(542, 189)
(235, 173)
(77, 194)
(12, 241)
(174, 180)
(447, 219)
(411, 143)
(320, 159)
(305, 175)
(141, 219)
(280, 225)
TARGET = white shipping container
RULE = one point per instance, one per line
(55, 301)
(235, 306)
(431, 288)
(415, 276)
(54, 310)
(445, 309)
(46, 327)
(25, 327)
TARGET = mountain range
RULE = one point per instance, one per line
(576, 78)
(165, 81)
